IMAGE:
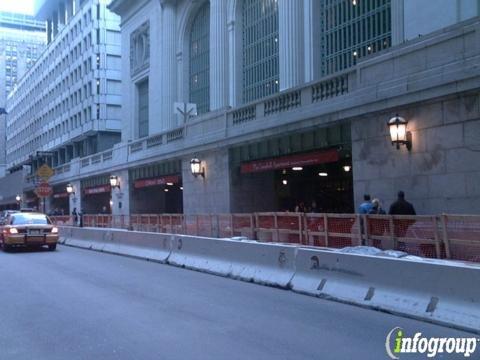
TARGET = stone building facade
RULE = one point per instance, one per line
(292, 100)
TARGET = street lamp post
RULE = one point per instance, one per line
(18, 198)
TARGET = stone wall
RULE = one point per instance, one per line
(211, 194)
(441, 174)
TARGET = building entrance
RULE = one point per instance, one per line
(319, 181)
(160, 195)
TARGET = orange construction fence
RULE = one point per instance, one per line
(443, 237)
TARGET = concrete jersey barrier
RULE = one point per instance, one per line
(151, 246)
(249, 261)
(440, 292)
(432, 290)
(86, 238)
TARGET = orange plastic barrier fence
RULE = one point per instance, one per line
(461, 236)
(416, 235)
(447, 236)
(61, 220)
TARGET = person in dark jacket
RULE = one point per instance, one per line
(401, 206)
(75, 216)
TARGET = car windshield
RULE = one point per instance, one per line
(25, 219)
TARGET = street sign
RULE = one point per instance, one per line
(43, 190)
(45, 172)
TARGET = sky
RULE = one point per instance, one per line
(19, 6)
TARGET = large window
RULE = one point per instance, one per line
(199, 60)
(142, 109)
(352, 30)
(260, 48)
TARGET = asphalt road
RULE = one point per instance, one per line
(80, 304)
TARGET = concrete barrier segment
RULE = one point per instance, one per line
(261, 263)
(438, 292)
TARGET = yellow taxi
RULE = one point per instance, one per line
(29, 229)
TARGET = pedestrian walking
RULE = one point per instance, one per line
(75, 216)
(401, 226)
(80, 215)
(376, 208)
(300, 208)
(366, 205)
(401, 206)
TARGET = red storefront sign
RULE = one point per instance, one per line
(163, 180)
(313, 158)
(97, 190)
(60, 195)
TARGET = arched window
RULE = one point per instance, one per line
(260, 48)
(199, 60)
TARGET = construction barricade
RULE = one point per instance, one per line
(447, 236)
(333, 230)
(416, 235)
(461, 236)
(279, 227)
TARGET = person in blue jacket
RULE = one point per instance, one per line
(366, 205)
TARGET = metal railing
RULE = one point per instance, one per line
(443, 237)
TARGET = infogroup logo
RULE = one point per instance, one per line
(397, 343)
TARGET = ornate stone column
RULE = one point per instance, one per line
(398, 33)
(218, 54)
(290, 14)
(168, 65)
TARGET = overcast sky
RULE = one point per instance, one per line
(20, 6)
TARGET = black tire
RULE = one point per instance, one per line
(52, 247)
(6, 247)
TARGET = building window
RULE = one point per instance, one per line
(142, 89)
(260, 48)
(199, 60)
(352, 30)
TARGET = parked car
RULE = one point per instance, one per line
(29, 229)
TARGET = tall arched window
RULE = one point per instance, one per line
(199, 60)
(260, 48)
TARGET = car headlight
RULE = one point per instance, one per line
(54, 230)
(13, 231)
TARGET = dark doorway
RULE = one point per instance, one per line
(329, 186)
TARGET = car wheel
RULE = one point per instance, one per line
(52, 247)
(6, 247)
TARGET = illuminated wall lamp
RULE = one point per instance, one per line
(196, 168)
(114, 182)
(70, 189)
(347, 168)
(398, 132)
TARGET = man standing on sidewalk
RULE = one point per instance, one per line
(401, 206)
